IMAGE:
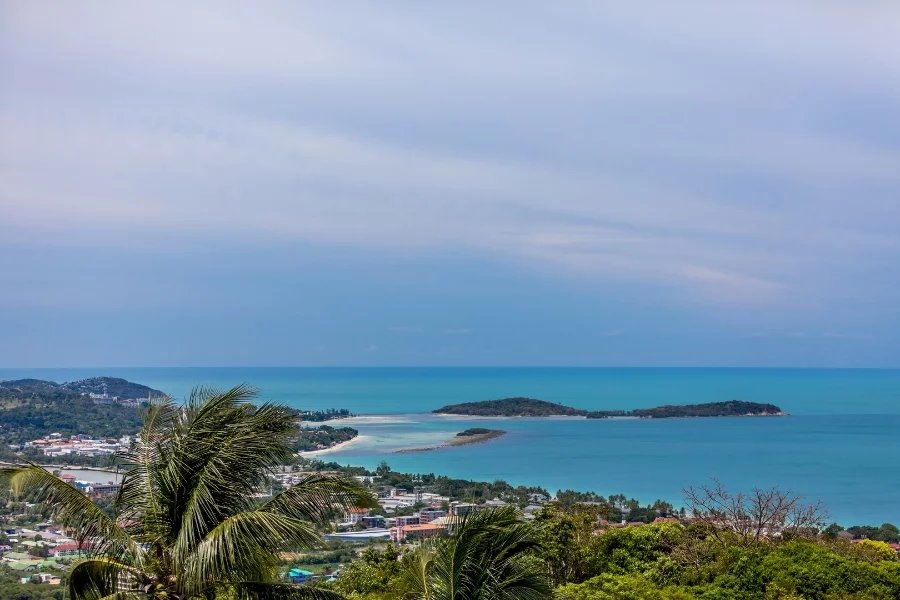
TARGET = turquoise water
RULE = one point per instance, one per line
(840, 444)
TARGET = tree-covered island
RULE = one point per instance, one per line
(511, 407)
(531, 407)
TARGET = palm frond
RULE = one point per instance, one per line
(73, 509)
(138, 497)
(244, 547)
(481, 559)
(415, 574)
(318, 497)
(99, 578)
(221, 454)
(251, 590)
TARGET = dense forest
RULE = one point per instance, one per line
(26, 419)
(24, 389)
(510, 407)
(732, 408)
(530, 407)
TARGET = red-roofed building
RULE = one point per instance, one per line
(69, 549)
(425, 530)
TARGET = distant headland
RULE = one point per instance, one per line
(531, 407)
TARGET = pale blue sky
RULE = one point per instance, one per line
(579, 183)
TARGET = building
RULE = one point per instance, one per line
(412, 532)
(371, 522)
(427, 515)
(69, 549)
(461, 509)
(355, 514)
(104, 489)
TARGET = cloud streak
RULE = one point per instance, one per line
(731, 157)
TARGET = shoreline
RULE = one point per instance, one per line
(331, 449)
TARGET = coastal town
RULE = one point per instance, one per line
(42, 552)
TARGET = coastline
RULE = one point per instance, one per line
(331, 449)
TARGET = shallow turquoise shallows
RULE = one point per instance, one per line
(840, 444)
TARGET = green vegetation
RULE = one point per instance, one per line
(888, 532)
(510, 407)
(486, 556)
(732, 408)
(32, 408)
(12, 589)
(529, 407)
(24, 389)
(24, 420)
(574, 551)
(317, 416)
(474, 431)
(187, 521)
(324, 436)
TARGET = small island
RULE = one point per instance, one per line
(530, 407)
(511, 407)
(474, 435)
(732, 408)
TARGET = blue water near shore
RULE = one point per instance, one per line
(840, 444)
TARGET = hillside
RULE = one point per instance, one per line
(23, 389)
(32, 408)
(510, 407)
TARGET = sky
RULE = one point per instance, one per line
(511, 183)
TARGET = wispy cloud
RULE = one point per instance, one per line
(724, 155)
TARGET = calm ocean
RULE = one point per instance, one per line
(840, 444)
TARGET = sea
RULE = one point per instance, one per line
(839, 444)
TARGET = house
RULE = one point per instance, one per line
(665, 520)
(46, 578)
(538, 498)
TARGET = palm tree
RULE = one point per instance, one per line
(189, 522)
(484, 559)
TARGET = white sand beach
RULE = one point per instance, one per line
(335, 448)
